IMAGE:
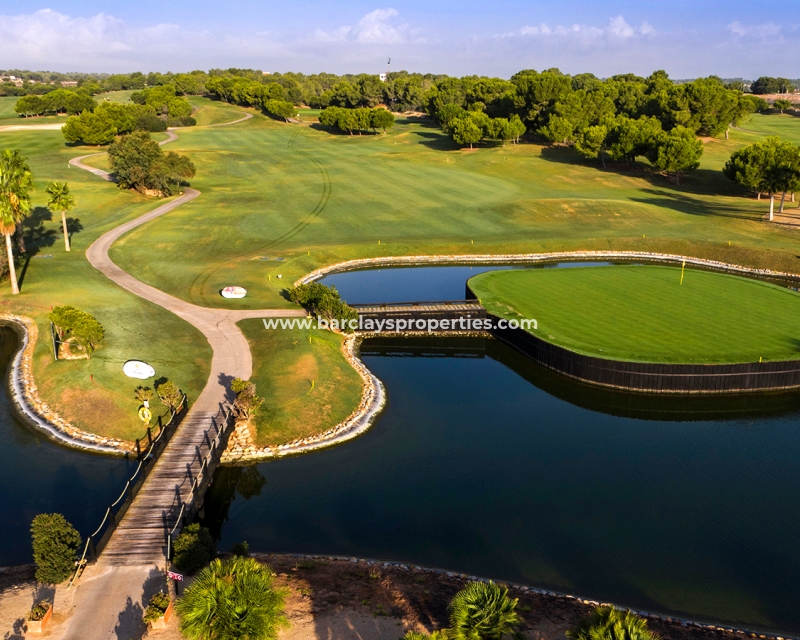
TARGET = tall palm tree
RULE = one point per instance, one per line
(232, 599)
(61, 200)
(610, 623)
(482, 611)
(16, 183)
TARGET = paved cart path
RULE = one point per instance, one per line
(111, 593)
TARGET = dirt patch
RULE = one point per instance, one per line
(92, 407)
(332, 599)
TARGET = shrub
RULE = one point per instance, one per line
(156, 607)
(55, 547)
(610, 623)
(74, 323)
(194, 548)
(231, 600)
(151, 122)
(325, 302)
(247, 403)
(39, 611)
(481, 611)
(241, 549)
(169, 394)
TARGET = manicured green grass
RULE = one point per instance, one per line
(311, 197)
(286, 363)
(644, 313)
(94, 394)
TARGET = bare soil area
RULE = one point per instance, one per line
(346, 600)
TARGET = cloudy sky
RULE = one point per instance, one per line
(688, 38)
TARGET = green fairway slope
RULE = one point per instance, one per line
(296, 192)
(94, 394)
(644, 313)
(307, 384)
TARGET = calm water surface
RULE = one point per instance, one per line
(419, 284)
(39, 476)
(484, 463)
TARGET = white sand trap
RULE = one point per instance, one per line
(55, 126)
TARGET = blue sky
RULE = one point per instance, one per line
(499, 37)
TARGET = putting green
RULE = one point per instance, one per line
(645, 314)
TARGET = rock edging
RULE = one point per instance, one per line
(373, 397)
(684, 622)
(37, 413)
(533, 258)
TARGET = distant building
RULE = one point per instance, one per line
(382, 77)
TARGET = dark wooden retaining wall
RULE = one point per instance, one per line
(652, 377)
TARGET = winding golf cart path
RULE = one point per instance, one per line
(108, 600)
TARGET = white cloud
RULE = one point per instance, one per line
(377, 27)
(616, 29)
(766, 30)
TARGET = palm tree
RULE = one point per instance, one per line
(16, 182)
(61, 200)
(610, 623)
(481, 611)
(232, 599)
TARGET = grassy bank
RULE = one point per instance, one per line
(275, 190)
(644, 313)
(307, 384)
(94, 394)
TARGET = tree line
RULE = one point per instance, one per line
(361, 119)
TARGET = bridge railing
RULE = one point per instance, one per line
(146, 457)
(367, 305)
(208, 465)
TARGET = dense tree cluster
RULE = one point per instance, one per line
(109, 120)
(55, 102)
(765, 84)
(473, 126)
(769, 166)
(165, 102)
(623, 117)
(360, 119)
(402, 91)
(140, 163)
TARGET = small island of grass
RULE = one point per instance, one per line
(643, 313)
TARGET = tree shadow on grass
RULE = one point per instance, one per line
(705, 182)
(689, 205)
(437, 141)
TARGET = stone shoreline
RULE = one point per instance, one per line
(534, 258)
(25, 399)
(522, 589)
(373, 397)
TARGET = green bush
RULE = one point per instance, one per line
(39, 611)
(482, 611)
(325, 302)
(194, 548)
(241, 549)
(610, 623)
(231, 600)
(156, 607)
(74, 323)
(55, 547)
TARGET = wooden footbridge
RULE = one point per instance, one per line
(450, 310)
(175, 466)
